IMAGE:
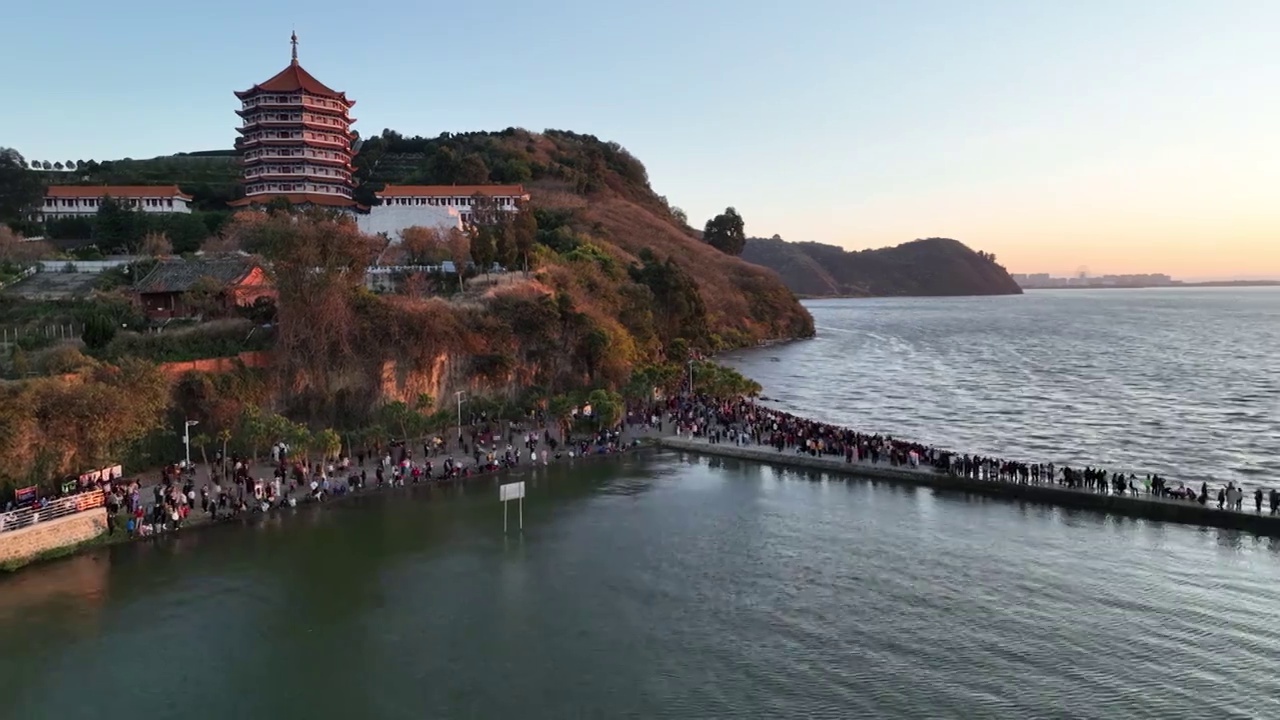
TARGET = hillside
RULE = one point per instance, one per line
(929, 267)
(587, 190)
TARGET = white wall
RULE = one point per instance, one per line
(70, 207)
(82, 266)
(392, 219)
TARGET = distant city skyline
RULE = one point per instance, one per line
(1051, 134)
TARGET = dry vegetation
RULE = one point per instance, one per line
(618, 291)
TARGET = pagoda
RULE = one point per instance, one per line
(296, 141)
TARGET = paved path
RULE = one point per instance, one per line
(266, 471)
(1149, 506)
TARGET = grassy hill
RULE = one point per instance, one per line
(592, 195)
(929, 267)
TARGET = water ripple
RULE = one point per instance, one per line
(1180, 382)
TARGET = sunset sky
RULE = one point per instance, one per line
(1135, 136)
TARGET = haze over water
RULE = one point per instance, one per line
(668, 586)
(1183, 382)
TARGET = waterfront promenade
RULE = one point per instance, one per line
(1142, 505)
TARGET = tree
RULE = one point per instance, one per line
(21, 364)
(607, 408)
(316, 261)
(99, 331)
(203, 441)
(423, 245)
(524, 233)
(156, 245)
(472, 171)
(21, 190)
(204, 297)
(484, 250)
(725, 233)
(560, 410)
(397, 414)
(224, 437)
(118, 226)
(491, 232)
(459, 251)
(328, 443)
(255, 429)
(504, 243)
(17, 251)
(680, 215)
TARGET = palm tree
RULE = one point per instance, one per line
(224, 436)
(560, 410)
(202, 441)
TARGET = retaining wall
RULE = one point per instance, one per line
(32, 540)
(253, 359)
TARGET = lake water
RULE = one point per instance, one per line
(1183, 382)
(670, 586)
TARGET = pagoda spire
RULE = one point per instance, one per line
(293, 40)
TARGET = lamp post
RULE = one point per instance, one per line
(186, 438)
(458, 395)
(691, 377)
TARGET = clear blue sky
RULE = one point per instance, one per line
(1138, 135)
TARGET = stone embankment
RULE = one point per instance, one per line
(1142, 506)
(21, 545)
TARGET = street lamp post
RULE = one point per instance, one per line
(690, 378)
(186, 438)
(458, 395)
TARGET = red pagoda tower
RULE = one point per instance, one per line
(296, 140)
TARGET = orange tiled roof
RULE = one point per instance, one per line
(115, 191)
(293, 79)
(295, 199)
(449, 190)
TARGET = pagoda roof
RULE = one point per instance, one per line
(295, 199)
(450, 190)
(293, 79)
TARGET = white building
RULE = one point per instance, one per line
(84, 200)
(434, 206)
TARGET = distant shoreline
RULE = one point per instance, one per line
(1206, 284)
(882, 297)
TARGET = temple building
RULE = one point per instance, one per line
(434, 206)
(296, 141)
(84, 200)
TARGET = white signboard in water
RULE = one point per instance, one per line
(511, 491)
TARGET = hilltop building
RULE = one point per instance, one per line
(296, 143)
(239, 282)
(296, 140)
(434, 206)
(62, 201)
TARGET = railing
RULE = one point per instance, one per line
(51, 510)
(20, 277)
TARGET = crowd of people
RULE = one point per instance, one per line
(745, 422)
(235, 486)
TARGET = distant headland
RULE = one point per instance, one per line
(929, 267)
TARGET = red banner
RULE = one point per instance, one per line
(89, 478)
(25, 496)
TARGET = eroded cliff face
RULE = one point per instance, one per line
(443, 376)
